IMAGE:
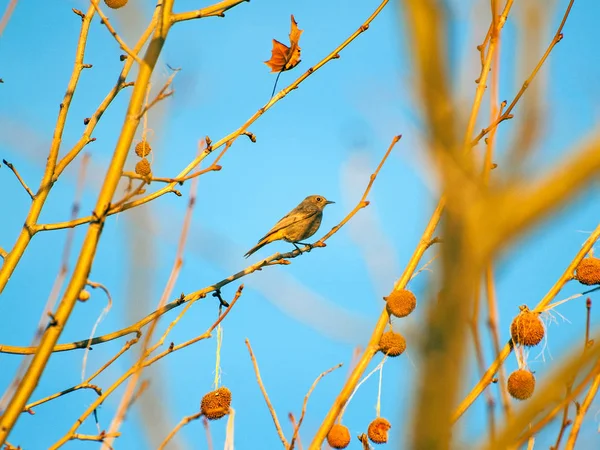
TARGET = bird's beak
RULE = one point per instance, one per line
(328, 202)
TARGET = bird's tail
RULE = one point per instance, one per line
(258, 246)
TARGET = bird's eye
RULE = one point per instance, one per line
(319, 199)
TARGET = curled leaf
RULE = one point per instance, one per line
(284, 57)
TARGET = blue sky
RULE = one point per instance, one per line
(324, 138)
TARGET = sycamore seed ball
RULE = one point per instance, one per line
(588, 271)
(392, 344)
(378, 430)
(400, 303)
(143, 149)
(215, 404)
(115, 4)
(521, 384)
(338, 436)
(527, 328)
(143, 167)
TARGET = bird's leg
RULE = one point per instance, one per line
(297, 248)
(310, 246)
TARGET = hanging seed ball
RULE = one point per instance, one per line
(588, 271)
(143, 167)
(215, 404)
(378, 430)
(143, 149)
(84, 296)
(338, 436)
(115, 4)
(527, 328)
(392, 344)
(521, 384)
(400, 303)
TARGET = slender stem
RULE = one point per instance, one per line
(266, 396)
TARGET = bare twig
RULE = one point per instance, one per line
(266, 396)
(112, 31)
(304, 405)
(218, 9)
(183, 422)
(14, 170)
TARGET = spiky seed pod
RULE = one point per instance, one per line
(143, 167)
(521, 384)
(588, 271)
(143, 149)
(378, 430)
(527, 328)
(400, 303)
(84, 296)
(338, 436)
(215, 404)
(115, 4)
(392, 344)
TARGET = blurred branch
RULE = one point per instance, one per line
(266, 396)
(14, 170)
(582, 411)
(180, 425)
(518, 429)
(218, 9)
(6, 16)
(535, 199)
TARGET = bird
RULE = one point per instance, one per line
(300, 223)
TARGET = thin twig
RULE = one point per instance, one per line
(112, 31)
(101, 317)
(162, 94)
(14, 170)
(218, 10)
(183, 422)
(304, 405)
(266, 396)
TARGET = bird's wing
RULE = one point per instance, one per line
(289, 219)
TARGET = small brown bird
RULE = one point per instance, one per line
(300, 223)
